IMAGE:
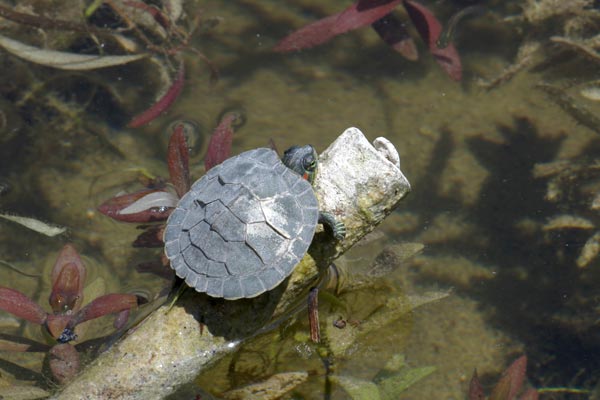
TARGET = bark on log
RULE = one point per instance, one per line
(359, 183)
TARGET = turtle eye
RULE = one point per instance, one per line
(309, 163)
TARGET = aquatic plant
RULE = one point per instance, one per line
(159, 32)
(66, 299)
(551, 27)
(156, 202)
(507, 387)
(379, 15)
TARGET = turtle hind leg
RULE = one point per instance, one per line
(337, 227)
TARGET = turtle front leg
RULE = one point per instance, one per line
(337, 227)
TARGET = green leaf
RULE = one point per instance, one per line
(357, 389)
(391, 387)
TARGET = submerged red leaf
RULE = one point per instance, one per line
(430, 29)
(530, 394)
(63, 360)
(516, 373)
(219, 146)
(68, 276)
(19, 305)
(56, 324)
(163, 103)
(67, 289)
(121, 319)
(151, 237)
(178, 160)
(308, 36)
(392, 31)
(120, 207)
(511, 381)
(359, 14)
(107, 304)
(475, 388)
(363, 13)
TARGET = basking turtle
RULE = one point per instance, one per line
(243, 227)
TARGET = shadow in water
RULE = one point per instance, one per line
(533, 285)
(532, 290)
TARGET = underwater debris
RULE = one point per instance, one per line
(587, 47)
(590, 251)
(568, 222)
(580, 113)
(64, 60)
(536, 11)
(35, 225)
(591, 91)
(574, 183)
(523, 60)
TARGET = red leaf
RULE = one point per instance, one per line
(56, 324)
(163, 103)
(430, 28)
(63, 360)
(511, 381)
(68, 277)
(475, 388)
(362, 13)
(121, 319)
(359, 14)
(178, 161)
(107, 304)
(67, 290)
(151, 237)
(516, 372)
(530, 394)
(117, 207)
(393, 32)
(19, 305)
(219, 146)
(308, 36)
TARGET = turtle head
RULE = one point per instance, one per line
(302, 160)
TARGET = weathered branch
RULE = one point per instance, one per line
(357, 182)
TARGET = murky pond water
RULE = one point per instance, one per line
(503, 167)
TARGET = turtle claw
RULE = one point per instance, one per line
(339, 230)
(337, 227)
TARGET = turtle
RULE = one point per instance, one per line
(245, 225)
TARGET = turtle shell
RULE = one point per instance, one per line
(242, 227)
